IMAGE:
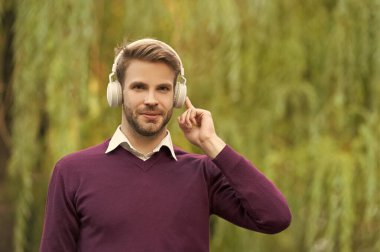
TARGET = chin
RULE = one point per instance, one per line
(149, 133)
(150, 129)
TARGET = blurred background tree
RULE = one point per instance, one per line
(293, 85)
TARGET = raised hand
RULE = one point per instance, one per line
(198, 127)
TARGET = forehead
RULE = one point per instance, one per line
(149, 72)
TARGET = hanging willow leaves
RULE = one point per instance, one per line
(292, 85)
(51, 49)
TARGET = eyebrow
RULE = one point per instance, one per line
(145, 84)
(137, 83)
(165, 85)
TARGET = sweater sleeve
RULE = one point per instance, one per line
(241, 194)
(61, 226)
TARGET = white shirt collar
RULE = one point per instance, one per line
(119, 138)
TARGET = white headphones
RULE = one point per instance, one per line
(114, 89)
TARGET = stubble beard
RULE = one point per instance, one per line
(148, 129)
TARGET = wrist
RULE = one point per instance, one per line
(212, 146)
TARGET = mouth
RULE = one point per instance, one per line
(151, 115)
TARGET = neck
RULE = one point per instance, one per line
(144, 144)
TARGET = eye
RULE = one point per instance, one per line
(164, 89)
(138, 87)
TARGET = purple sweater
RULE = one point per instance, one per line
(117, 202)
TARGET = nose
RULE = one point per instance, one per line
(150, 99)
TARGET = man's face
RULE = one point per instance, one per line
(148, 97)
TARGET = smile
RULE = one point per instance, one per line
(151, 113)
(151, 116)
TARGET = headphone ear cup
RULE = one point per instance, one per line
(180, 94)
(114, 94)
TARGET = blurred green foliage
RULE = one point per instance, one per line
(293, 85)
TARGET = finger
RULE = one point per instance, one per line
(193, 117)
(182, 125)
(188, 118)
(182, 117)
(188, 103)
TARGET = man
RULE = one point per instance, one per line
(136, 191)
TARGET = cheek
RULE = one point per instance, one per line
(168, 100)
(132, 100)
